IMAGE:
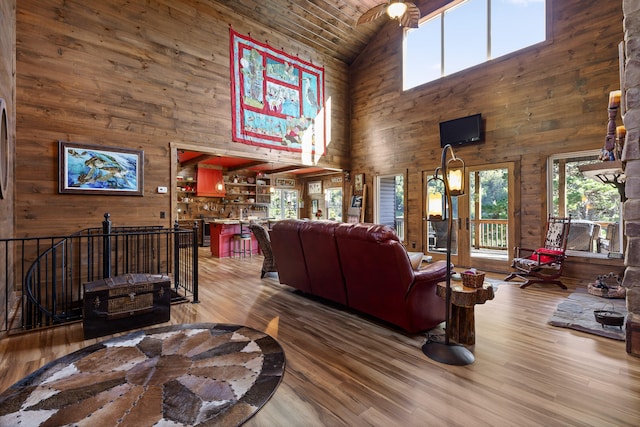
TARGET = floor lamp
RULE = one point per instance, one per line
(453, 173)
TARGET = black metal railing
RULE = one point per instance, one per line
(43, 277)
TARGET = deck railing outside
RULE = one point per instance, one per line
(491, 233)
(43, 277)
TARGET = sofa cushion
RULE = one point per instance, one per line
(416, 259)
(322, 260)
(376, 269)
(289, 255)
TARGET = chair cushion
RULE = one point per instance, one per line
(544, 255)
(555, 235)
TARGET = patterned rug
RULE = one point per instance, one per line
(576, 312)
(195, 374)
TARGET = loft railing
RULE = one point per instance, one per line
(43, 277)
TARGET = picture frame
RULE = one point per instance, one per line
(358, 182)
(98, 170)
(356, 201)
(315, 187)
(285, 182)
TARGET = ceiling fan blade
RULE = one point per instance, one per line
(411, 16)
(372, 14)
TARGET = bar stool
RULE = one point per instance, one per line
(239, 244)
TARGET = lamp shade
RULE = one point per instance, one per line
(455, 176)
(455, 181)
(434, 206)
(614, 98)
(396, 10)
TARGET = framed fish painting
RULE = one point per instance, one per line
(94, 169)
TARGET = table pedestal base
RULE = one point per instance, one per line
(463, 325)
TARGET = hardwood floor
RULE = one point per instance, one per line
(345, 369)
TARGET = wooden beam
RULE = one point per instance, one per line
(196, 160)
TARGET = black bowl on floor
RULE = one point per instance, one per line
(609, 318)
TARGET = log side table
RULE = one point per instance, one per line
(463, 300)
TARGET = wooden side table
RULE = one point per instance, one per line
(462, 327)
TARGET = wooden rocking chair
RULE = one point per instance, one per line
(543, 265)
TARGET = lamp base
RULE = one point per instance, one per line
(449, 354)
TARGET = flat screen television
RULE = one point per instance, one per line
(464, 130)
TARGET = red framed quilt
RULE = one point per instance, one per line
(277, 100)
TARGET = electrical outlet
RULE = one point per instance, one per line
(413, 245)
(162, 215)
(162, 190)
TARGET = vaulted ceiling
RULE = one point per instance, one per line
(327, 26)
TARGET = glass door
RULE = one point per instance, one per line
(490, 215)
(484, 220)
(435, 232)
(389, 202)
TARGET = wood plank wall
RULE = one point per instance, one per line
(8, 93)
(551, 98)
(137, 74)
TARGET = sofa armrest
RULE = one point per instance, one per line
(434, 271)
(426, 308)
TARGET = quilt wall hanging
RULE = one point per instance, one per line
(277, 99)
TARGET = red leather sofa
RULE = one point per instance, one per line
(362, 266)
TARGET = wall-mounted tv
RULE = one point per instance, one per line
(465, 130)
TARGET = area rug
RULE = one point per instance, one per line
(576, 312)
(192, 374)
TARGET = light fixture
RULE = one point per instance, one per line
(406, 13)
(435, 204)
(446, 352)
(455, 175)
(396, 10)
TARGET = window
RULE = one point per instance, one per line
(390, 202)
(593, 205)
(467, 33)
(284, 204)
(333, 202)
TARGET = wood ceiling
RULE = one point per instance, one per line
(327, 26)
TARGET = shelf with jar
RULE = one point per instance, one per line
(247, 190)
(186, 185)
(263, 191)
